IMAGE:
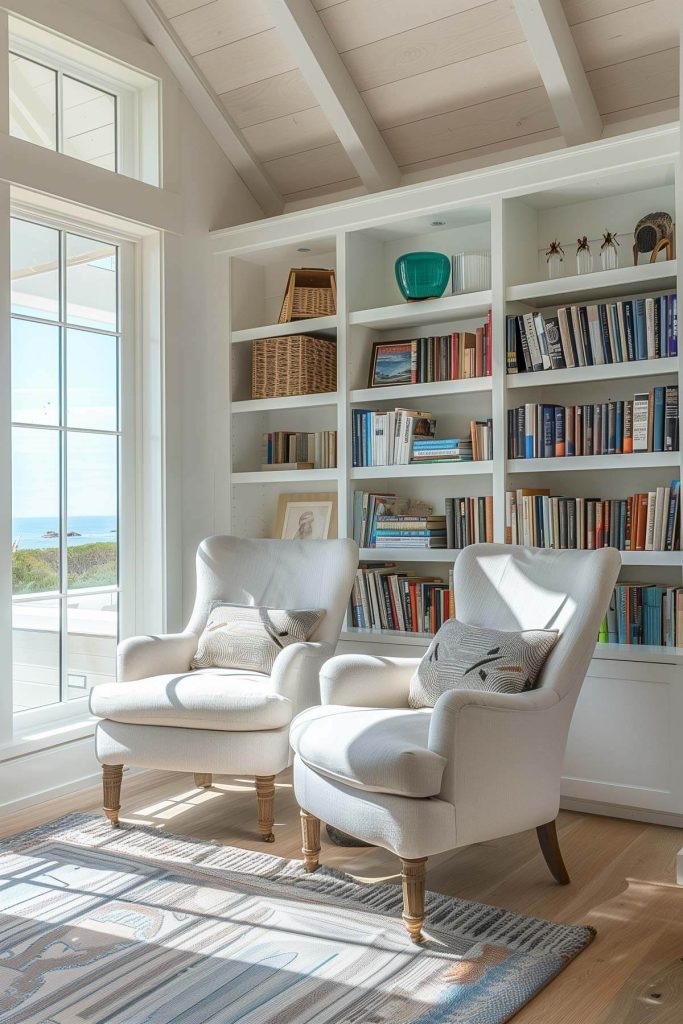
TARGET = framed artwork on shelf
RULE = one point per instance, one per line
(392, 362)
(306, 517)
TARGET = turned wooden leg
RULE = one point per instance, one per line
(310, 840)
(413, 878)
(265, 796)
(203, 780)
(112, 774)
(550, 848)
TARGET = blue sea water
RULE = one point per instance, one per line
(29, 532)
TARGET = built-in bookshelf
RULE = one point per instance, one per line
(611, 189)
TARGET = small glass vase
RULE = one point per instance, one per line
(609, 257)
(584, 257)
(555, 259)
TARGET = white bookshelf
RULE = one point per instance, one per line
(515, 211)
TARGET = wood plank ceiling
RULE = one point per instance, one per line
(444, 80)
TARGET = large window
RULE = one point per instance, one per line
(66, 458)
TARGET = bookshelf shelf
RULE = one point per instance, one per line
(644, 460)
(327, 398)
(285, 476)
(623, 281)
(453, 469)
(431, 311)
(387, 636)
(405, 392)
(325, 325)
(651, 558)
(587, 374)
(405, 555)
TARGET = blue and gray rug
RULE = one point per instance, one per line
(136, 926)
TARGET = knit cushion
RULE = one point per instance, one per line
(464, 657)
(250, 638)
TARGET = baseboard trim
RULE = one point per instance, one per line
(649, 817)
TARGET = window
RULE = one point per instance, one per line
(66, 462)
(70, 99)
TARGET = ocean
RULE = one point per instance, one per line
(29, 532)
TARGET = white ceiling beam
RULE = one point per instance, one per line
(557, 59)
(206, 103)
(306, 38)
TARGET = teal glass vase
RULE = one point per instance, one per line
(422, 275)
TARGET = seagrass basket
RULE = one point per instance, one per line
(310, 292)
(295, 365)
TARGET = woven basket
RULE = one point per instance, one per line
(309, 293)
(296, 365)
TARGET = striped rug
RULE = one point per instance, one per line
(136, 926)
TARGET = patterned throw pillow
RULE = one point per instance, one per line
(463, 657)
(250, 638)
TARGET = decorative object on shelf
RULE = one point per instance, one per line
(471, 271)
(652, 234)
(310, 292)
(584, 256)
(609, 257)
(306, 516)
(554, 257)
(422, 275)
(392, 363)
(298, 364)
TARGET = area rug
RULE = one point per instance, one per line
(137, 926)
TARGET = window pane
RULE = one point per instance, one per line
(92, 510)
(32, 102)
(36, 653)
(92, 380)
(92, 622)
(91, 290)
(89, 123)
(35, 270)
(35, 510)
(35, 373)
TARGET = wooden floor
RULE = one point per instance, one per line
(623, 884)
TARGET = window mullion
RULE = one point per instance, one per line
(63, 553)
(59, 120)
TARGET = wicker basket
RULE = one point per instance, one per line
(309, 293)
(295, 365)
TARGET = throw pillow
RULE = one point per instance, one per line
(250, 638)
(464, 657)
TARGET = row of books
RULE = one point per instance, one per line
(457, 356)
(644, 614)
(288, 449)
(469, 521)
(385, 438)
(647, 521)
(611, 332)
(370, 506)
(649, 423)
(397, 437)
(384, 597)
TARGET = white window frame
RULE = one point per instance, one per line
(129, 403)
(137, 95)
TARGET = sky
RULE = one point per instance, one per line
(91, 375)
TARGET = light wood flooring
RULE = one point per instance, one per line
(623, 884)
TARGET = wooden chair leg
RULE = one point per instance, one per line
(413, 875)
(550, 848)
(203, 780)
(310, 840)
(112, 774)
(265, 796)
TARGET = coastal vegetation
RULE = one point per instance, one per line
(89, 565)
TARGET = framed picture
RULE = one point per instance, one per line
(392, 362)
(306, 517)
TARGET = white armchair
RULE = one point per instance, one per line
(477, 766)
(160, 714)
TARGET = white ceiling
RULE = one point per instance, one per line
(444, 81)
